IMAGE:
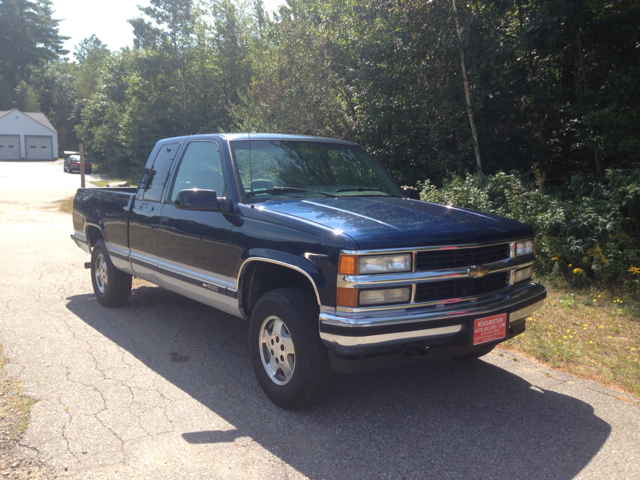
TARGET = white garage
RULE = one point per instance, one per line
(27, 136)
(38, 147)
(9, 147)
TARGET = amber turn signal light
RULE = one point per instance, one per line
(347, 297)
(348, 265)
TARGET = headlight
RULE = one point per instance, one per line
(386, 296)
(525, 247)
(523, 274)
(371, 264)
(385, 264)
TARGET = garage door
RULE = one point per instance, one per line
(9, 147)
(38, 148)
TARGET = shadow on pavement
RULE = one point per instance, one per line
(449, 419)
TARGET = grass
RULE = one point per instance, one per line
(103, 183)
(15, 408)
(593, 335)
(67, 205)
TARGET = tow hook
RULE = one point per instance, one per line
(417, 352)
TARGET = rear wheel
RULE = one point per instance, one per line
(288, 357)
(111, 286)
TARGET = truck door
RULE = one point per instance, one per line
(193, 244)
(145, 214)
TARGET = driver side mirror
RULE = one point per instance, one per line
(195, 199)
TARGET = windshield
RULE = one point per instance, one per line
(281, 168)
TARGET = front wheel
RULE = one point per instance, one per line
(111, 286)
(288, 357)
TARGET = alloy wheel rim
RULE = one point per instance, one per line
(101, 277)
(277, 351)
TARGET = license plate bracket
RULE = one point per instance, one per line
(489, 329)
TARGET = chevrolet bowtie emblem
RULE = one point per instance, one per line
(477, 272)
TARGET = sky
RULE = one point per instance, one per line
(107, 19)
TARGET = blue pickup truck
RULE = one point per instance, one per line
(334, 265)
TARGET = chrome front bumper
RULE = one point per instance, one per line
(363, 333)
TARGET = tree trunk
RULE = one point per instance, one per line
(465, 80)
(599, 169)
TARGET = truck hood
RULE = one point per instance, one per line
(389, 222)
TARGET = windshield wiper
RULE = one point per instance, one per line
(277, 190)
(364, 189)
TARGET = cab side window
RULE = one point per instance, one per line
(200, 168)
(153, 180)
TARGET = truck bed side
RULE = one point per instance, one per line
(103, 213)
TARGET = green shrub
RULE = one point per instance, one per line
(586, 232)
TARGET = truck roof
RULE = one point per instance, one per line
(261, 136)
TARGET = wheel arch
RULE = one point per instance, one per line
(259, 275)
(93, 234)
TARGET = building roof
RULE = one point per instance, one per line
(36, 116)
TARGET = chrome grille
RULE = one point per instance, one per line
(461, 287)
(461, 257)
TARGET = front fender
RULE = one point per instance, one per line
(300, 264)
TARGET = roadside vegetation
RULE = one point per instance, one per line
(587, 233)
(66, 205)
(104, 183)
(593, 334)
(15, 409)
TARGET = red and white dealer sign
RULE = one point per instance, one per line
(488, 329)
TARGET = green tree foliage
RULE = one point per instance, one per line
(6, 95)
(90, 47)
(59, 101)
(552, 82)
(28, 38)
(26, 98)
(587, 232)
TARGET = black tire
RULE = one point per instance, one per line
(287, 318)
(478, 353)
(111, 286)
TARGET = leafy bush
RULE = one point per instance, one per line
(586, 232)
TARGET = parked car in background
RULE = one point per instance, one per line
(72, 164)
